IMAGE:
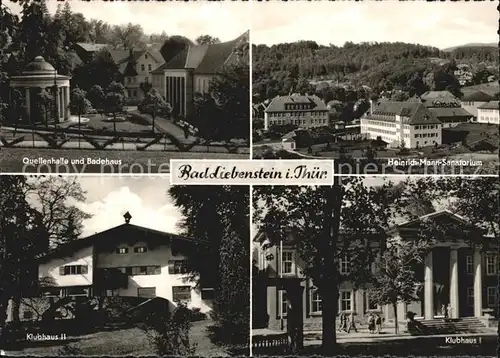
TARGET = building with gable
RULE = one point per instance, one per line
(455, 272)
(191, 71)
(446, 108)
(489, 113)
(303, 111)
(471, 101)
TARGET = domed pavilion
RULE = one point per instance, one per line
(39, 75)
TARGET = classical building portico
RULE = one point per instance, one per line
(41, 75)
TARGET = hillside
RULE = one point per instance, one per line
(449, 49)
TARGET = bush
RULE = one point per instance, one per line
(131, 101)
(197, 315)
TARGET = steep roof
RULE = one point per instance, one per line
(443, 112)
(90, 47)
(415, 111)
(477, 96)
(491, 105)
(278, 103)
(203, 59)
(439, 99)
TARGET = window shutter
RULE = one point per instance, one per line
(61, 270)
(85, 269)
(171, 267)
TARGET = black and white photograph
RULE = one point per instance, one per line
(377, 266)
(113, 87)
(108, 266)
(406, 88)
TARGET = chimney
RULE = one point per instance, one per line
(371, 107)
(127, 217)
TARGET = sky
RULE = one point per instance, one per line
(146, 198)
(226, 20)
(439, 24)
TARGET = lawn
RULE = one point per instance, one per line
(100, 122)
(131, 342)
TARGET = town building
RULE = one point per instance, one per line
(85, 51)
(446, 108)
(489, 113)
(126, 260)
(408, 124)
(303, 111)
(191, 71)
(136, 67)
(454, 273)
(471, 101)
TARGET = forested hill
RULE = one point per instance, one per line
(377, 65)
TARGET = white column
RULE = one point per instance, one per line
(428, 288)
(454, 303)
(478, 289)
(28, 102)
(60, 103)
(66, 103)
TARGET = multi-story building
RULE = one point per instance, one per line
(446, 108)
(303, 111)
(489, 113)
(191, 71)
(127, 260)
(408, 124)
(471, 101)
(86, 51)
(454, 273)
(136, 67)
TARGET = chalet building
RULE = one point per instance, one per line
(410, 124)
(454, 273)
(86, 51)
(446, 108)
(126, 260)
(136, 67)
(473, 100)
(191, 71)
(489, 113)
(303, 111)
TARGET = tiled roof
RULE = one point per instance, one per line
(278, 103)
(431, 95)
(491, 105)
(442, 112)
(415, 111)
(203, 59)
(477, 96)
(89, 47)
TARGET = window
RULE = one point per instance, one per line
(287, 264)
(75, 291)
(345, 300)
(27, 314)
(470, 296)
(469, 264)
(142, 68)
(111, 293)
(181, 293)
(149, 67)
(146, 56)
(147, 292)
(370, 304)
(73, 270)
(315, 301)
(344, 265)
(283, 304)
(140, 249)
(122, 250)
(177, 267)
(491, 265)
(140, 270)
(491, 296)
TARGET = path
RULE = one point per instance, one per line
(166, 126)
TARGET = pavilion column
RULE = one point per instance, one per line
(66, 103)
(478, 289)
(454, 303)
(28, 103)
(428, 288)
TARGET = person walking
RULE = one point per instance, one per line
(378, 323)
(342, 325)
(351, 323)
(371, 323)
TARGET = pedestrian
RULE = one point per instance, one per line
(351, 323)
(341, 321)
(378, 323)
(448, 311)
(371, 323)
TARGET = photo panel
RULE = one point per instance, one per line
(122, 87)
(386, 265)
(123, 266)
(377, 91)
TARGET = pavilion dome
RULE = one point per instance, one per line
(39, 66)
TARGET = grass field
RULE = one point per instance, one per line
(131, 342)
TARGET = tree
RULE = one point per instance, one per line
(45, 102)
(79, 104)
(173, 46)
(114, 100)
(101, 71)
(220, 216)
(96, 97)
(206, 40)
(154, 100)
(127, 36)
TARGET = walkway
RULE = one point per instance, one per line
(166, 126)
